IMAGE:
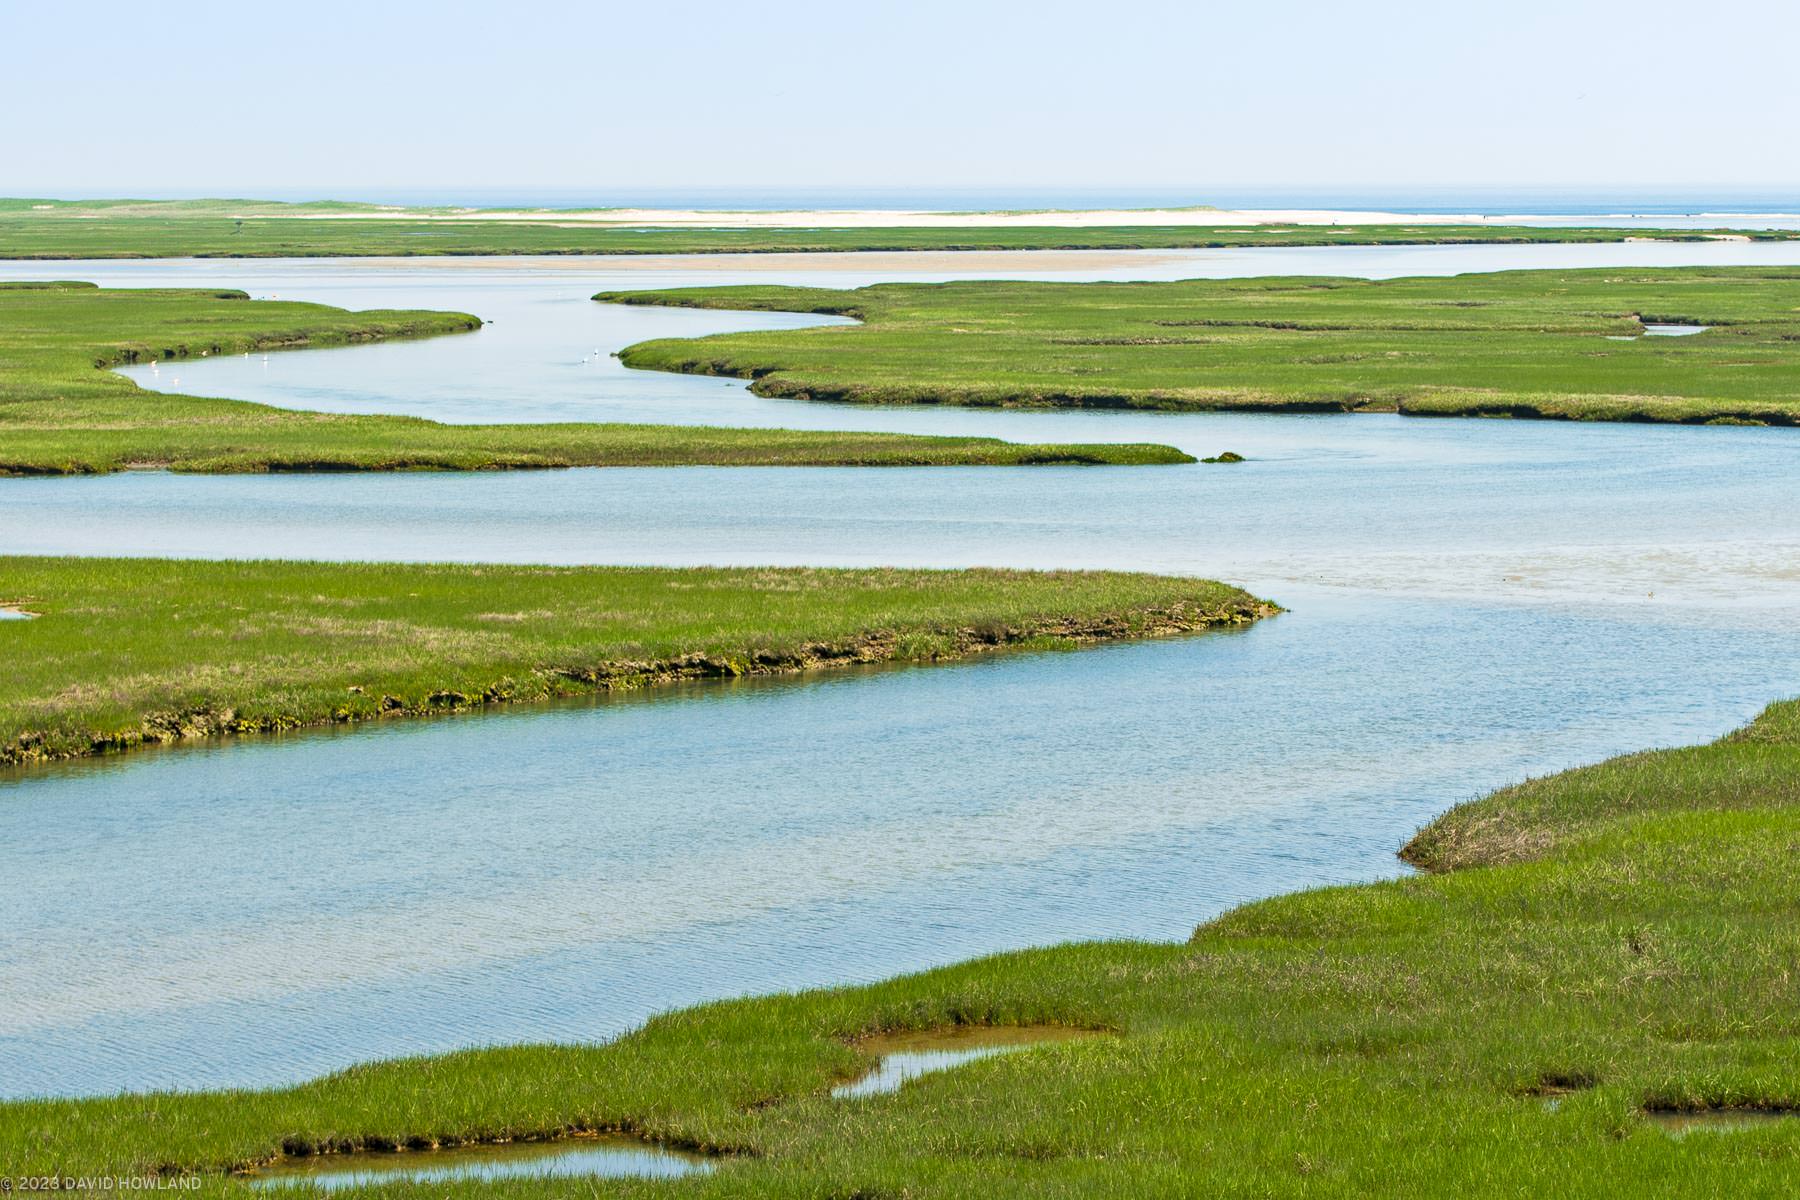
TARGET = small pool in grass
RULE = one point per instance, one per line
(580, 1157)
(1659, 330)
(9, 613)
(1681, 1123)
(903, 1056)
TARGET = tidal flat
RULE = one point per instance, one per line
(1472, 602)
(1489, 648)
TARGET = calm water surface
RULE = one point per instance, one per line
(572, 1158)
(547, 355)
(1471, 602)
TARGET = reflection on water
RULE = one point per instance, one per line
(547, 356)
(1471, 602)
(1675, 521)
(903, 1056)
(1680, 1123)
(258, 911)
(593, 1158)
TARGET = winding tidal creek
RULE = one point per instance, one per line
(1470, 602)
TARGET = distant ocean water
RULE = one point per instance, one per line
(1647, 201)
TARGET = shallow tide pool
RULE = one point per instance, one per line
(571, 1158)
(903, 1057)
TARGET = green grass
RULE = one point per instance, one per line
(1521, 343)
(48, 229)
(1624, 934)
(62, 411)
(126, 651)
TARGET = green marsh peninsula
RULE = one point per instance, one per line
(63, 412)
(123, 652)
(1574, 345)
(1581, 953)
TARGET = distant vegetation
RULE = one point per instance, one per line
(1586, 947)
(61, 412)
(260, 229)
(127, 651)
(1559, 344)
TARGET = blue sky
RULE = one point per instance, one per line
(115, 98)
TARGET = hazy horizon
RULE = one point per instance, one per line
(1647, 197)
(1391, 97)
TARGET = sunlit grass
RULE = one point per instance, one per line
(124, 651)
(62, 411)
(1561, 344)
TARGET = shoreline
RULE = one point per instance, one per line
(1519, 985)
(612, 678)
(70, 415)
(860, 218)
(215, 230)
(929, 618)
(1152, 346)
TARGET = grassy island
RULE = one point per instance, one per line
(53, 229)
(63, 412)
(1582, 951)
(1555, 344)
(127, 651)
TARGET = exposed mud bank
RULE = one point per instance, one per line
(567, 680)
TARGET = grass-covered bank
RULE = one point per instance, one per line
(1614, 938)
(127, 651)
(1557, 344)
(61, 229)
(63, 412)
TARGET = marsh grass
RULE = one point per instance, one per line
(128, 651)
(1621, 937)
(48, 229)
(1510, 344)
(62, 411)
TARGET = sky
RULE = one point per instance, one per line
(357, 100)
